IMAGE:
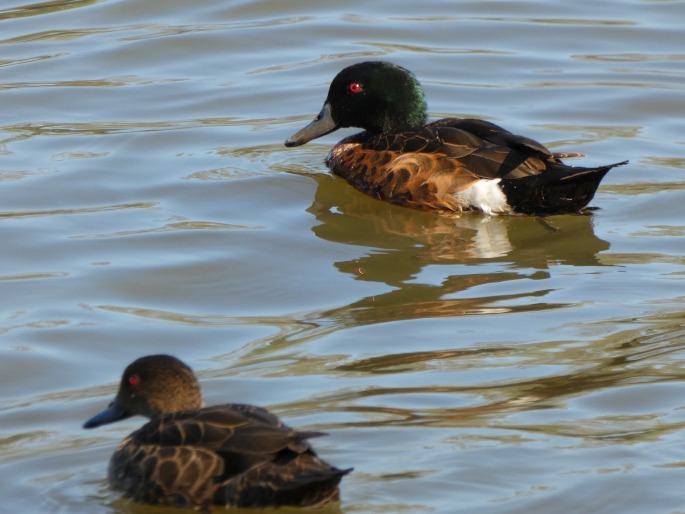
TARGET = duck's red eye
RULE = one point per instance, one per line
(355, 87)
(134, 380)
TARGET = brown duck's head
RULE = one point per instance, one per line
(377, 96)
(152, 386)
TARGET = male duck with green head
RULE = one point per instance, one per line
(449, 165)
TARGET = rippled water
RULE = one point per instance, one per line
(472, 364)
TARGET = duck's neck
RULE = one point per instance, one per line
(404, 113)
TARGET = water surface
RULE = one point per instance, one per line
(471, 364)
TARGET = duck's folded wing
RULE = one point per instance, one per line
(463, 135)
(235, 413)
(430, 140)
(493, 153)
(496, 135)
(223, 427)
(475, 146)
(241, 440)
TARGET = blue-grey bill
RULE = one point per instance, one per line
(109, 415)
(323, 124)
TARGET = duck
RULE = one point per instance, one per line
(188, 455)
(450, 165)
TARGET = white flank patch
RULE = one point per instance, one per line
(485, 195)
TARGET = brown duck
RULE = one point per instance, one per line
(188, 456)
(449, 165)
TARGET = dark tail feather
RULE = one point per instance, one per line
(303, 481)
(317, 492)
(561, 191)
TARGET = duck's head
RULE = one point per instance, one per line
(152, 386)
(377, 96)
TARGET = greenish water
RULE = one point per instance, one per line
(471, 364)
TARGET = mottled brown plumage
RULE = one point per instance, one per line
(232, 455)
(449, 165)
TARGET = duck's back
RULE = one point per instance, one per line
(233, 455)
(458, 164)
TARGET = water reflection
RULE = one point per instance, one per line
(557, 389)
(401, 242)
(436, 267)
(43, 8)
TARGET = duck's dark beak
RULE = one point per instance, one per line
(323, 124)
(111, 414)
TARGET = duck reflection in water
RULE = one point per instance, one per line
(397, 244)
(414, 238)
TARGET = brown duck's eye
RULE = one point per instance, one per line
(355, 87)
(134, 380)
